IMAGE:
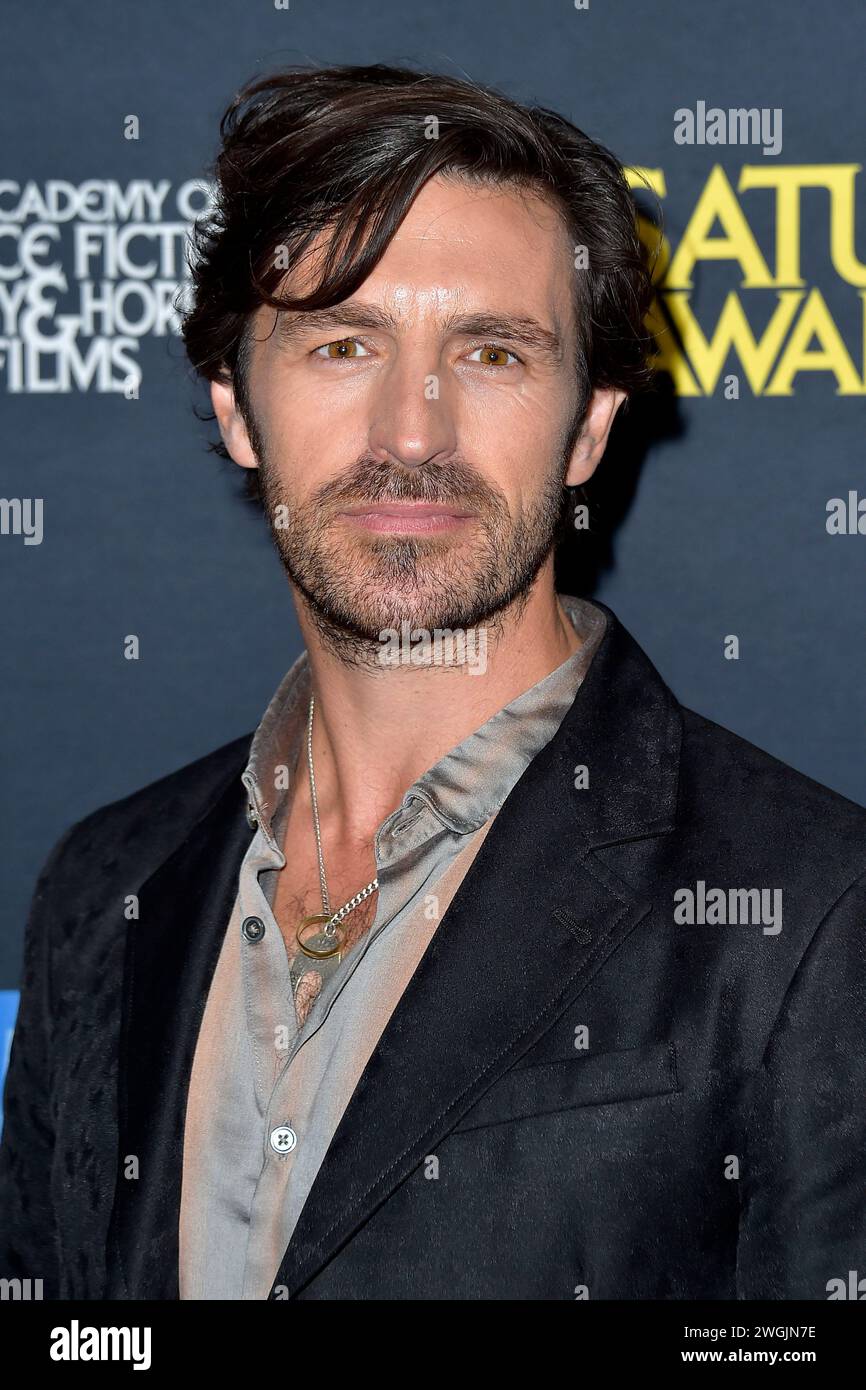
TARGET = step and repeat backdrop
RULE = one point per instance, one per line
(732, 505)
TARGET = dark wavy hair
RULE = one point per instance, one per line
(343, 150)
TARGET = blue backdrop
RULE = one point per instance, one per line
(115, 520)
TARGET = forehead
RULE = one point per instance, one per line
(468, 245)
(457, 230)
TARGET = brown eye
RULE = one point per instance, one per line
(493, 356)
(341, 349)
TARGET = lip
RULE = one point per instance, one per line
(407, 516)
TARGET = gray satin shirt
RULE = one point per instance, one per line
(266, 1094)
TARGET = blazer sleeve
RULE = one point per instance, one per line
(28, 1231)
(803, 1176)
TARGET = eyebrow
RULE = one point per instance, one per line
(516, 328)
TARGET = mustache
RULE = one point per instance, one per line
(375, 481)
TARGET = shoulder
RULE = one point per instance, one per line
(145, 826)
(761, 810)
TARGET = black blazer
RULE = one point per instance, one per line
(710, 1142)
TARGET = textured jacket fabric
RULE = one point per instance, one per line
(579, 1095)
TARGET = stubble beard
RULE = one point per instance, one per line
(357, 586)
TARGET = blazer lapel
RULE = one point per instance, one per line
(534, 919)
(171, 955)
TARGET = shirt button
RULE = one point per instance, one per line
(283, 1139)
(253, 928)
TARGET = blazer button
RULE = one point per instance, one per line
(253, 928)
(283, 1139)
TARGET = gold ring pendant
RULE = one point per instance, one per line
(313, 945)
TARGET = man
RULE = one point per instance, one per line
(483, 969)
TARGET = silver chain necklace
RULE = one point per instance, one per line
(320, 936)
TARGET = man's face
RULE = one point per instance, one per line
(413, 441)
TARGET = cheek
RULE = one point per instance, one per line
(528, 413)
(516, 441)
(305, 421)
(339, 391)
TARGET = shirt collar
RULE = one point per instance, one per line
(466, 786)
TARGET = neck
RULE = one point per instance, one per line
(377, 730)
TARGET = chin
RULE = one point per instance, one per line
(377, 613)
(393, 588)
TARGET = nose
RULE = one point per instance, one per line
(412, 419)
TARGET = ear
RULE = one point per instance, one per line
(231, 423)
(592, 440)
